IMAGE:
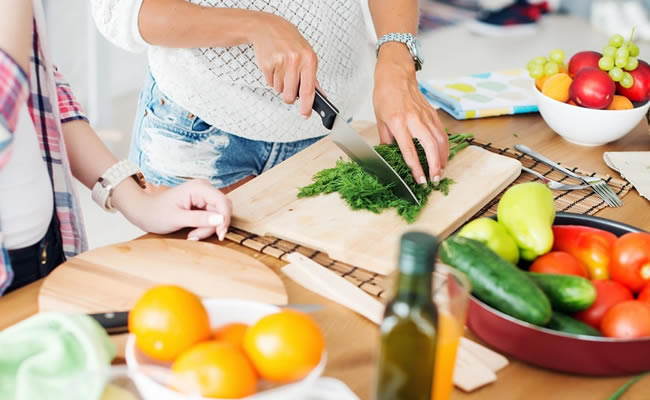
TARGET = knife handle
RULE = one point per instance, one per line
(113, 322)
(326, 110)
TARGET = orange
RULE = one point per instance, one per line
(233, 333)
(539, 82)
(284, 346)
(215, 369)
(167, 320)
(620, 103)
(557, 87)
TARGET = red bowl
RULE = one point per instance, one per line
(578, 354)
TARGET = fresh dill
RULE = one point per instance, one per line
(363, 192)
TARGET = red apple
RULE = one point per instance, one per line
(582, 60)
(592, 88)
(640, 91)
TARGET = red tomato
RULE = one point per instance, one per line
(608, 294)
(559, 262)
(645, 294)
(627, 320)
(630, 263)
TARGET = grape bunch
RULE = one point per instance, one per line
(541, 66)
(619, 58)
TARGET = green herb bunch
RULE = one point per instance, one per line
(363, 192)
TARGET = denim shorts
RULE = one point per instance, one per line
(172, 145)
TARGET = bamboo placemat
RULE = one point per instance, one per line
(577, 201)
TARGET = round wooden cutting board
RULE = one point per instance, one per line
(112, 278)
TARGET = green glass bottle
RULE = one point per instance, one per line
(410, 325)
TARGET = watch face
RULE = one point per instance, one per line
(418, 51)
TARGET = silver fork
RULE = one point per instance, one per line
(598, 185)
(553, 184)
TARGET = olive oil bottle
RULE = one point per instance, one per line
(409, 328)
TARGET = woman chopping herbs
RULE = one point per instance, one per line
(231, 83)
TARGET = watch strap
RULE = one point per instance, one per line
(408, 39)
(110, 179)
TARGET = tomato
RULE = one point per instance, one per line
(644, 295)
(627, 320)
(559, 262)
(631, 260)
(608, 294)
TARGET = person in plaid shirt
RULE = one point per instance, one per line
(45, 140)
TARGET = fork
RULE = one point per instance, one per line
(598, 185)
(553, 184)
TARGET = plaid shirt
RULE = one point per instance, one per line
(51, 104)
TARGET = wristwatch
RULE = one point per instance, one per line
(102, 192)
(411, 43)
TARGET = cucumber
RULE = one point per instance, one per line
(497, 282)
(564, 323)
(567, 293)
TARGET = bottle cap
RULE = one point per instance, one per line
(418, 252)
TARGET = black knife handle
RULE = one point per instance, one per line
(326, 110)
(113, 322)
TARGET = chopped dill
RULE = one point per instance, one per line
(363, 192)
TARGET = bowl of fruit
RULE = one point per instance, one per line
(562, 291)
(183, 347)
(598, 97)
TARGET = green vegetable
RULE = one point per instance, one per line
(567, 293)
(363, 192)
(494, 236)
(564, 323)
(527, 211)
(497, 282)
(621, 391)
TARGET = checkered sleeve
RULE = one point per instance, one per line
(14, 89)
(69, 108)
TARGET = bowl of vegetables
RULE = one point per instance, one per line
(567, 292)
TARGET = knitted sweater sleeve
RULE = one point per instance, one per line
(117, 20)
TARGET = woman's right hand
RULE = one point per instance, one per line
(287, 60)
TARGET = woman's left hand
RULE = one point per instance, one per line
(403, 114)
(196, 204)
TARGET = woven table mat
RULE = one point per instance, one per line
(577, 201)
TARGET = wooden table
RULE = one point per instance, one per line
(352, 340)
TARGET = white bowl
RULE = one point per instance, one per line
(585, 126)
(221, 311)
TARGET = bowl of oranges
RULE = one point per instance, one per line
(597, 97)
(221, 348)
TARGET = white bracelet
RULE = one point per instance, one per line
(103, 190)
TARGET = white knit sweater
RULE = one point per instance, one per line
(225, 87)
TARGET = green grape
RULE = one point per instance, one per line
(622, 52)
(530, 65)
(621, 62)
(551, 68)
(632, 63)
(616, 74)
(557, 56)
(634, 49)
(627, 81)
(606, 63)
(616, 40)
(609, 51)
(541, 60)
(537, 71)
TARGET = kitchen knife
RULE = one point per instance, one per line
(118, 322)
(352, 144)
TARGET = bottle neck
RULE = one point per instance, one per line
(414, 288)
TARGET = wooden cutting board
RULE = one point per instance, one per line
(112, 278)
(268, 205)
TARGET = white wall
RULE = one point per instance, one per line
(73, 38)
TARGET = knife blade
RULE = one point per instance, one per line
(117, 322)
(352, 144)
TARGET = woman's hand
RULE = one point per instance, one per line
(404, 114)
(287, 60)
(196, 204)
